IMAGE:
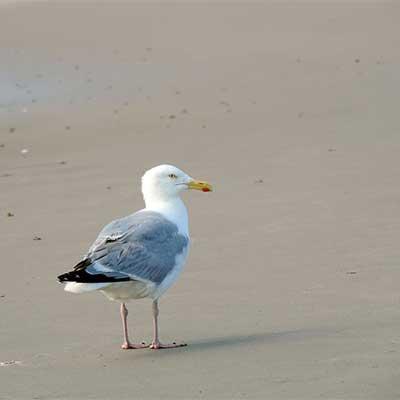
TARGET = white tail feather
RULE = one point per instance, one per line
(75, 287)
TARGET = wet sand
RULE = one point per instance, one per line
(291, 110)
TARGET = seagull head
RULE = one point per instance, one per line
(166, 182)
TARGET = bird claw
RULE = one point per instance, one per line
(159, 346)
(130, 346)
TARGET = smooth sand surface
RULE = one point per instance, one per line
(291, 110)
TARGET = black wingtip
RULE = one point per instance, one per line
(75, 274)
(63, 278)
(82, 276)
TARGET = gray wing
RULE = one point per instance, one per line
(142, 246)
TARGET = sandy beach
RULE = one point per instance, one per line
(291, 110)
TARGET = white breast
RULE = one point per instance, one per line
(180, 262)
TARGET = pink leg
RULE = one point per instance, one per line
(156, 342)
(127, 345)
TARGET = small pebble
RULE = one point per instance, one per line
(172, 116)
(108, 187)
(37, 238)
(10, 214)
(2, 145)
(351, 272)
(67, 127)
(357, 60)
(259, 181)
(11, 130)
(62, 162)
(24, 151)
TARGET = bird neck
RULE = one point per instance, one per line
(173, 209)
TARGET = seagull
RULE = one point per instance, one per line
(141, 255)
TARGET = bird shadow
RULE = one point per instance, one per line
(255, 338)
(237, 341)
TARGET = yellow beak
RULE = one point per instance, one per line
(200, 185)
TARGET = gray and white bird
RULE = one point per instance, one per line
(141, 255)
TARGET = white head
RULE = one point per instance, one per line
(166, 182)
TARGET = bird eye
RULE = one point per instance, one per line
(172, 176)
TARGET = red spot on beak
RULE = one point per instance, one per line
(205, 189)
